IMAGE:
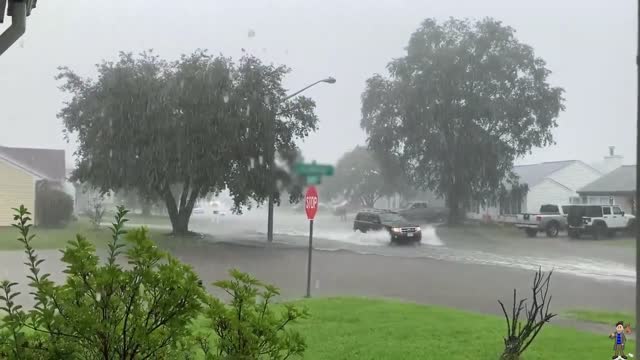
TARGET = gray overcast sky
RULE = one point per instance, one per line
(589, 46)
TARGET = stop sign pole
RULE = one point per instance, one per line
(311, 208)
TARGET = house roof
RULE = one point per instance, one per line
(621, 180)
(45, 163)
(534, 174)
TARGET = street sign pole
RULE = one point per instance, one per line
(311, 208)
(309, 258)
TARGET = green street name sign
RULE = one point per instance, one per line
(313, 169)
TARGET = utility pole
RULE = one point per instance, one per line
(271, 154)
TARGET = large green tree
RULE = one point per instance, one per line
(465, 101)
(177, 131)
(359, 179)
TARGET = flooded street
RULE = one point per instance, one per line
(589, 259)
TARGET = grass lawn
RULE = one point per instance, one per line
(602, 317)
(352, 328)
(53, 238)
(58, 238)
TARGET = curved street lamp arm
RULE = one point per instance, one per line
(329, 80)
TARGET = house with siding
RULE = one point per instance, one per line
(21, 170)
(554, 182)
(615, 188)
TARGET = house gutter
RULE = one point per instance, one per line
(18, 25)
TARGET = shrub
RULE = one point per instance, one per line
(54, 207)
(96, 212)
(520, 334)
(144, 311)
(103, 311)
(248, 328)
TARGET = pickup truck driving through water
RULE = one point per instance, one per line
(551, 220)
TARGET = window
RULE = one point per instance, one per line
(617, 211)
(553, 209)
(606, 210)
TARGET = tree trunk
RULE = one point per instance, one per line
(453, 203)
(146, 208)
(180, 213)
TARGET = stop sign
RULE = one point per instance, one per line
(311, 202)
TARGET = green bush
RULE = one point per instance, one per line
(144, 311)
(248, 328)
(54, 207)
(107, 311)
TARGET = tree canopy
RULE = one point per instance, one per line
(179, 130)
(464, 102)
(358, 178)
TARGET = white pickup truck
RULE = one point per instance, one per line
(551, 220)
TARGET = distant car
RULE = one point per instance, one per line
(421, 211)
(399, 229)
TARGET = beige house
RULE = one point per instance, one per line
(20, 171)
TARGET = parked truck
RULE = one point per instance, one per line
(421, 211)
(551, 219)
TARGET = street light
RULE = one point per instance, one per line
(271, 144)
(19, 10)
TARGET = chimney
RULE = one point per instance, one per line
(612, 161)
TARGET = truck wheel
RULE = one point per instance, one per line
(599, 231)
(553, 229)
(531, 232)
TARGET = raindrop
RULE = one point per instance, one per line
(267, 100)
(248, 110)
(252, 163)
(225, 98)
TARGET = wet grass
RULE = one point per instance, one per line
(355, 328)
(601, 317)
(54, 238)
(57, 238)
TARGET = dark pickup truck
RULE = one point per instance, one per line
(420, 211)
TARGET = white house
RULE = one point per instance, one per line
(615, 188)
(554, 182)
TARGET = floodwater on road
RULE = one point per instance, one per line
(331, 234)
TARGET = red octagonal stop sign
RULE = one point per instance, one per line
(311, 202)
